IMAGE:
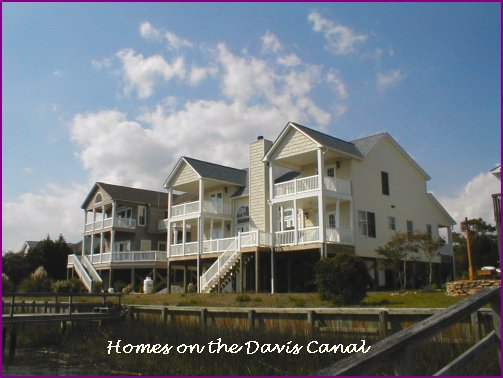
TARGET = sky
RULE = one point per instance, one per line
(117, 92)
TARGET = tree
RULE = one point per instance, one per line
(401, 248)
(15, 266)
(52, 255)
(430, 247)
(343, 279)
(484, 245)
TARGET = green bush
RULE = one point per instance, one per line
(343, 279)
(97, 286)
(7, 285)
(128, 289)
(118, 286)
(243, 298)
(73, 285)
(36, 282)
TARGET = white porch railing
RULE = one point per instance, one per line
(224, 262)
(342, 236)
(90, 269)
(191, 248)
(299, 185)
(106, 223)
(339, 185)
(309, 235)
(217, 245)
(185, 209)
(285, 237)
(128, 256)
(74, 261)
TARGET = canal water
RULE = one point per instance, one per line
(47, 361)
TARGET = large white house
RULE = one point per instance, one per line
(305, 196)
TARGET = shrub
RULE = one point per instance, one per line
(37, 282)
(118, 286)
(7, 285)
(60, 286)
(97, 287)
(128, 289)
(75, 285)
(243, 298)
(343, 279)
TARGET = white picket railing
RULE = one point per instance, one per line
(128, 256)
(285, 237)
(90, 269)
(224, 261)
(309, 235)
(185, 209)
(74, 261)
(342, 236)
(339, 185)
(108, 222)
(299, 185)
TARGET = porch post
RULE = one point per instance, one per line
(321, 200)
(184, 236)
(94, 218)
(338, 214)
(211, 228)
(92, 244)
(295, 223)
(112, 241)
(102, 216)
(170, 203)
(271, 180)
(200, 233)
(271, 228)
(113, 213)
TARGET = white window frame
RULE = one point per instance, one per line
(334, 215)
(391, 223)
(217, 206)
(125, 243)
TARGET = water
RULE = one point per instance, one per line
(48, 361)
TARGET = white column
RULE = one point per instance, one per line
(321, 199)
(113, 213)
(102, 217)
(271, 180)
(94, 217)
(184, 236)
(168, 237)
(170, 204)
(200, 233)
(112, 241)
(92, 244)
(338, 214)
(295, 223)
(101, 242)
(273, 241)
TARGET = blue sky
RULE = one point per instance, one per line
(117, 92)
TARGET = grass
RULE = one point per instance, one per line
(412, 299)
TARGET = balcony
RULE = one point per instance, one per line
(310, 184)
(312, 235)
(245, 239)
(129, 256)
(127, 223)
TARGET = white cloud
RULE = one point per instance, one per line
(333, 77)
(198, 74)
(389, 79)
(290, 60)
(141, 74)
(340, 39)
(53, 211)
(270, 43)
(474, 200)
(58, 73)
(340, 110)
(100, 64)
(174, 42)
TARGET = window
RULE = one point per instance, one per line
(217, 202)
(331, 172)
(123, 246)
(429, 231)
(287, 219)
(410, 227)
(125, 213)
(243, 214)
(385, 183)
(332, 222)
(391, 223)
(142, 215)
(367, 223)
(98, 198)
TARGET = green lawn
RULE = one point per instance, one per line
(374, 299)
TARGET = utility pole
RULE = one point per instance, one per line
(469, 250)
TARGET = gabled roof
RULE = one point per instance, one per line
(442, 210)
(319, 138)
(243, 190)
(211, 171)
(128, 194)
(367, 144)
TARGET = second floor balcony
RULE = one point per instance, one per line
(108, 223)
(311, 184)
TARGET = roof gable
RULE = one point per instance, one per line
(209, 170)
(128, 194)
(318, 138)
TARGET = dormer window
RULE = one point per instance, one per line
(98, 198)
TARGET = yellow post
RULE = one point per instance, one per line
(469, 251)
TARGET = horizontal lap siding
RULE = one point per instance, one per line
(294, 143)
(185, 175)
